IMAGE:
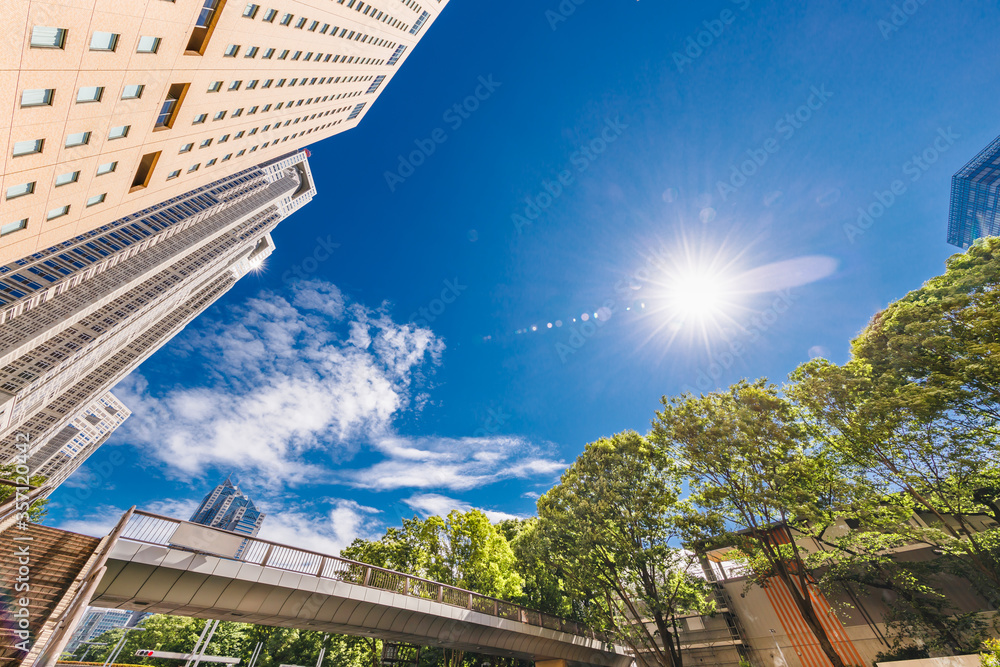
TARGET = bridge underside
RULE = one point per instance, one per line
(172, 581)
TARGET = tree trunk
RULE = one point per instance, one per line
(808, 613)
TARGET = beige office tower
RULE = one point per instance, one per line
(77, 317)
(112, 106)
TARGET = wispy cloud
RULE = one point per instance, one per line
(433, 504)
(456, 464)
(326, 533)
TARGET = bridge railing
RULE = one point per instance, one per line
(154, 529)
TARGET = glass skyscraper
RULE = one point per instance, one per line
(974, 188)
(228, 508)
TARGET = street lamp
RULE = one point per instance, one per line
(118, 647)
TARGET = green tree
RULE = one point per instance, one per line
(612, 527)
(37, 511)
(544, 587)
(752, 471)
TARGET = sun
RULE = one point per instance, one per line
(698, 294)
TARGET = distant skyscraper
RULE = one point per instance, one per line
(974, 192)
(228, 508)
(96, 621)
(79, 316)
(113, 108)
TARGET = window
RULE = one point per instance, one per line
(267, 54)
(194, 167)
(67, 178)
(227, 156)
(224, 138)
(37, 97)
(301, 22)
(313, 26)
(267, 107)
(119, 132)
(103, 41)
(171, 105)
(148, 45)
(12, 227)
(241, 152)
(239, 135)
(252, 111)
(267, 84)
(57, 213)
(283, 55)
(219, 116)
(251, 84)
(238, 113)
(206, 143)
(298, 54)
(96, 199)
(286, 19)
(77, 139)
(185, 148)
(281, 82)
(200, 118)
(270, 14)
(89, 94)
(215, 87)
(211, 162)
(235, 85)
(326, 26)
(107, 168)
(204, 26)
(132, 92)
(44, 37)
(251, 52)
(250, 11)
(15, 191)
(144, 171)
(231, 51)
(174, 174)
(252, 132)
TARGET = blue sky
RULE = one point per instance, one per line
(607, 155)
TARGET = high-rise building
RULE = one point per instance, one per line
(97, 620)
(974, 192)
(117, 106)
(228, 508)
(77, 317)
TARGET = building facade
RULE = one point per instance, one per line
(77, 317)
(974, 191)
(228, 508)
(118, 106)
(97, 620)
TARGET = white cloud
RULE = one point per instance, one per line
(96, 523)
(433, 504)
(456, 464)
(531, 494)
(279, 384)
(326, 534)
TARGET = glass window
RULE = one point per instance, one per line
(15, 191)
(251, 52)
(206, 143)
(220, 115)
(267, 84)
(57, 212)
(185, 148)
(90, 94)
(67, 178)
(77, 139)
(215, 87)
(96, 199)
(12, 227)
(235, 85)
(313, 26)
(103, 41)
(231, 51)
(194, 167)
(283, 55)
(37, 97)
(270, 14)
(119, 132)
(174, 174)
(301, 22)
(107, 168)
(227, 156)
(267, 54)
(251, 84)
(148, 44)
(210, 162)
(44, 37)
(238, 112)
(200, 118)
(298, 54)
(250, 10)
(132, 92)
(286, 19)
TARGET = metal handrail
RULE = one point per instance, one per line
(282, 557)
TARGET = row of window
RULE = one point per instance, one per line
(252, 9)
(33, 146)
(23, 189)
(53, 214)
(43, 97)
(221, 115)
(47, 37)
(205, 143)
(233, 50)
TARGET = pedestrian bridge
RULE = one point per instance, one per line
(165, 565)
